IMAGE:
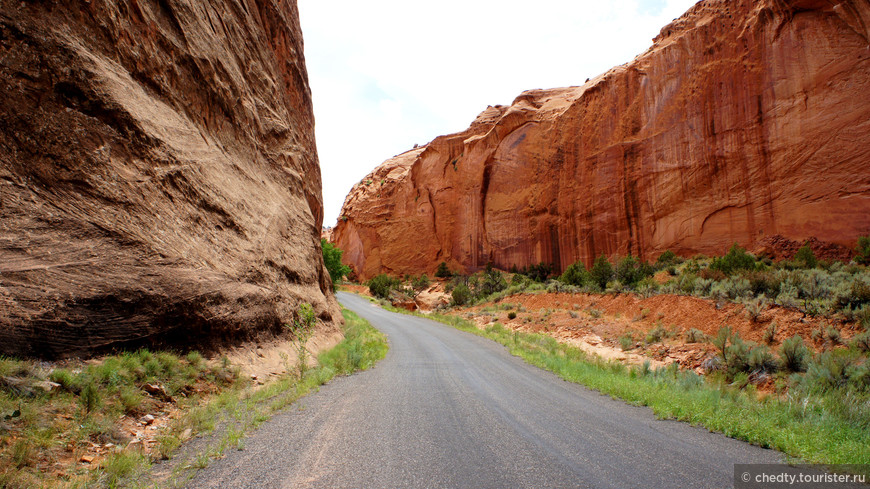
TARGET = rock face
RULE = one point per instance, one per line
(745, 119)
(159, 180)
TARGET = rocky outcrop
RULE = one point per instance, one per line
(158, 174)
(745, 119)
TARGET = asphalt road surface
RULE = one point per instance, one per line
(449, 409)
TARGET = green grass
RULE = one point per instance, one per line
(241, 411)
(94, 396)
(830, 428)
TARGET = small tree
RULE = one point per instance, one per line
(443, 271)
(805, 258)
(862, 252)
(332, 260)
(736, 259)
(667, 259)
(419, 284)
(575, 274)
(461, 295)
(627, 271)
(601, 272)
(303, 330)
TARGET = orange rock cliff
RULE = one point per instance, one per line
(745, 119)
(159, 181)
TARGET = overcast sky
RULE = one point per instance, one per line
(388, 74)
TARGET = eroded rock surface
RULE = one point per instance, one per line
(745, 119)
(158, 174)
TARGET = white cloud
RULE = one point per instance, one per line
(386, 74)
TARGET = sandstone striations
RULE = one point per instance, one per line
(159, 180)
(745, 119)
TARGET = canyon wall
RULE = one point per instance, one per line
(746, 119)
(159, 181)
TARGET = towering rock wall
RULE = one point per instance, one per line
(159, 180)
(745, 119)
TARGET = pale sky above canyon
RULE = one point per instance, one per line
(388, 74)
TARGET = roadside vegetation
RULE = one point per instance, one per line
(814, 420)
(70, 424)
(806, 396)
(332, 260)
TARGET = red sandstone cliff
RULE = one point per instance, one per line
(159, 180)
(745, 119)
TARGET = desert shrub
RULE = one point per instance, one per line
(735, 287)
(381, 285)
(738, 356)
(788, 295)
(755, 307)
(862, 251)
(656, 334)
(805, 258)
(595, 313)
(419, 284)
(862, 315)
(601, 272)
(702, 287)
(512, 315)
(794, 354)
(461, 295)
(443, 271)
(539, 273)
(763, 283)
(814, 284)
(733, 352)
(667, 259)
(686, 283)
(736, 259)
(695, 336)
(626, 341)
(762, 360)
(647, 287)
(616, 287)
(770, 333)
(833, 335)
(861, 342)
(837, 369)
(575, 274)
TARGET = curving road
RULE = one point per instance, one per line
(450, 409)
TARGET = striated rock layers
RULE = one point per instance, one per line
(745, 119)
(159, 180)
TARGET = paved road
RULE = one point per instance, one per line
(450, 409)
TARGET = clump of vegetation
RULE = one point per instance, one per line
(601, 272)
(862, 251)
(82, 409)
(794, 354)
(461, 295)
(656, 334)
(626, 341)
(303, 330)
(332, 259)
(736, 259)
(695, 336)
(443, 271)
(770, 333)
(512, 315)
(382, 285)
